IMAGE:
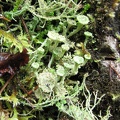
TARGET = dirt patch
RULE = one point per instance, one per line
(104, 76)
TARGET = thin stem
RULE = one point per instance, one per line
(26, 29)
(51, 61)
(6, 84)
(75, 31)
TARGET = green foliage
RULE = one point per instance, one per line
(86, 8)
(17, 4)
(16, 11)
(11, 98)
(9, 40)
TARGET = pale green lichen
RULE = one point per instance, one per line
(55, 36)
(46, 81)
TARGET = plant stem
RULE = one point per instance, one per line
(75, 31)
(51, 61)
(6, 84)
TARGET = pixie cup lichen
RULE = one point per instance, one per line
(82, 20)
(88, 35)
(79, 61)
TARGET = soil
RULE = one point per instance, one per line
(104, 76)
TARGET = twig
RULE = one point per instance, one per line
(4, 18)
(31, 91)
(6, 84)
(115, 71)
(110, 71)
(26, 29)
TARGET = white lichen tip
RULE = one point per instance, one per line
(78, 59)
(55, 36)
(82, 19)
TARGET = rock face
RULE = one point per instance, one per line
(105, 75)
